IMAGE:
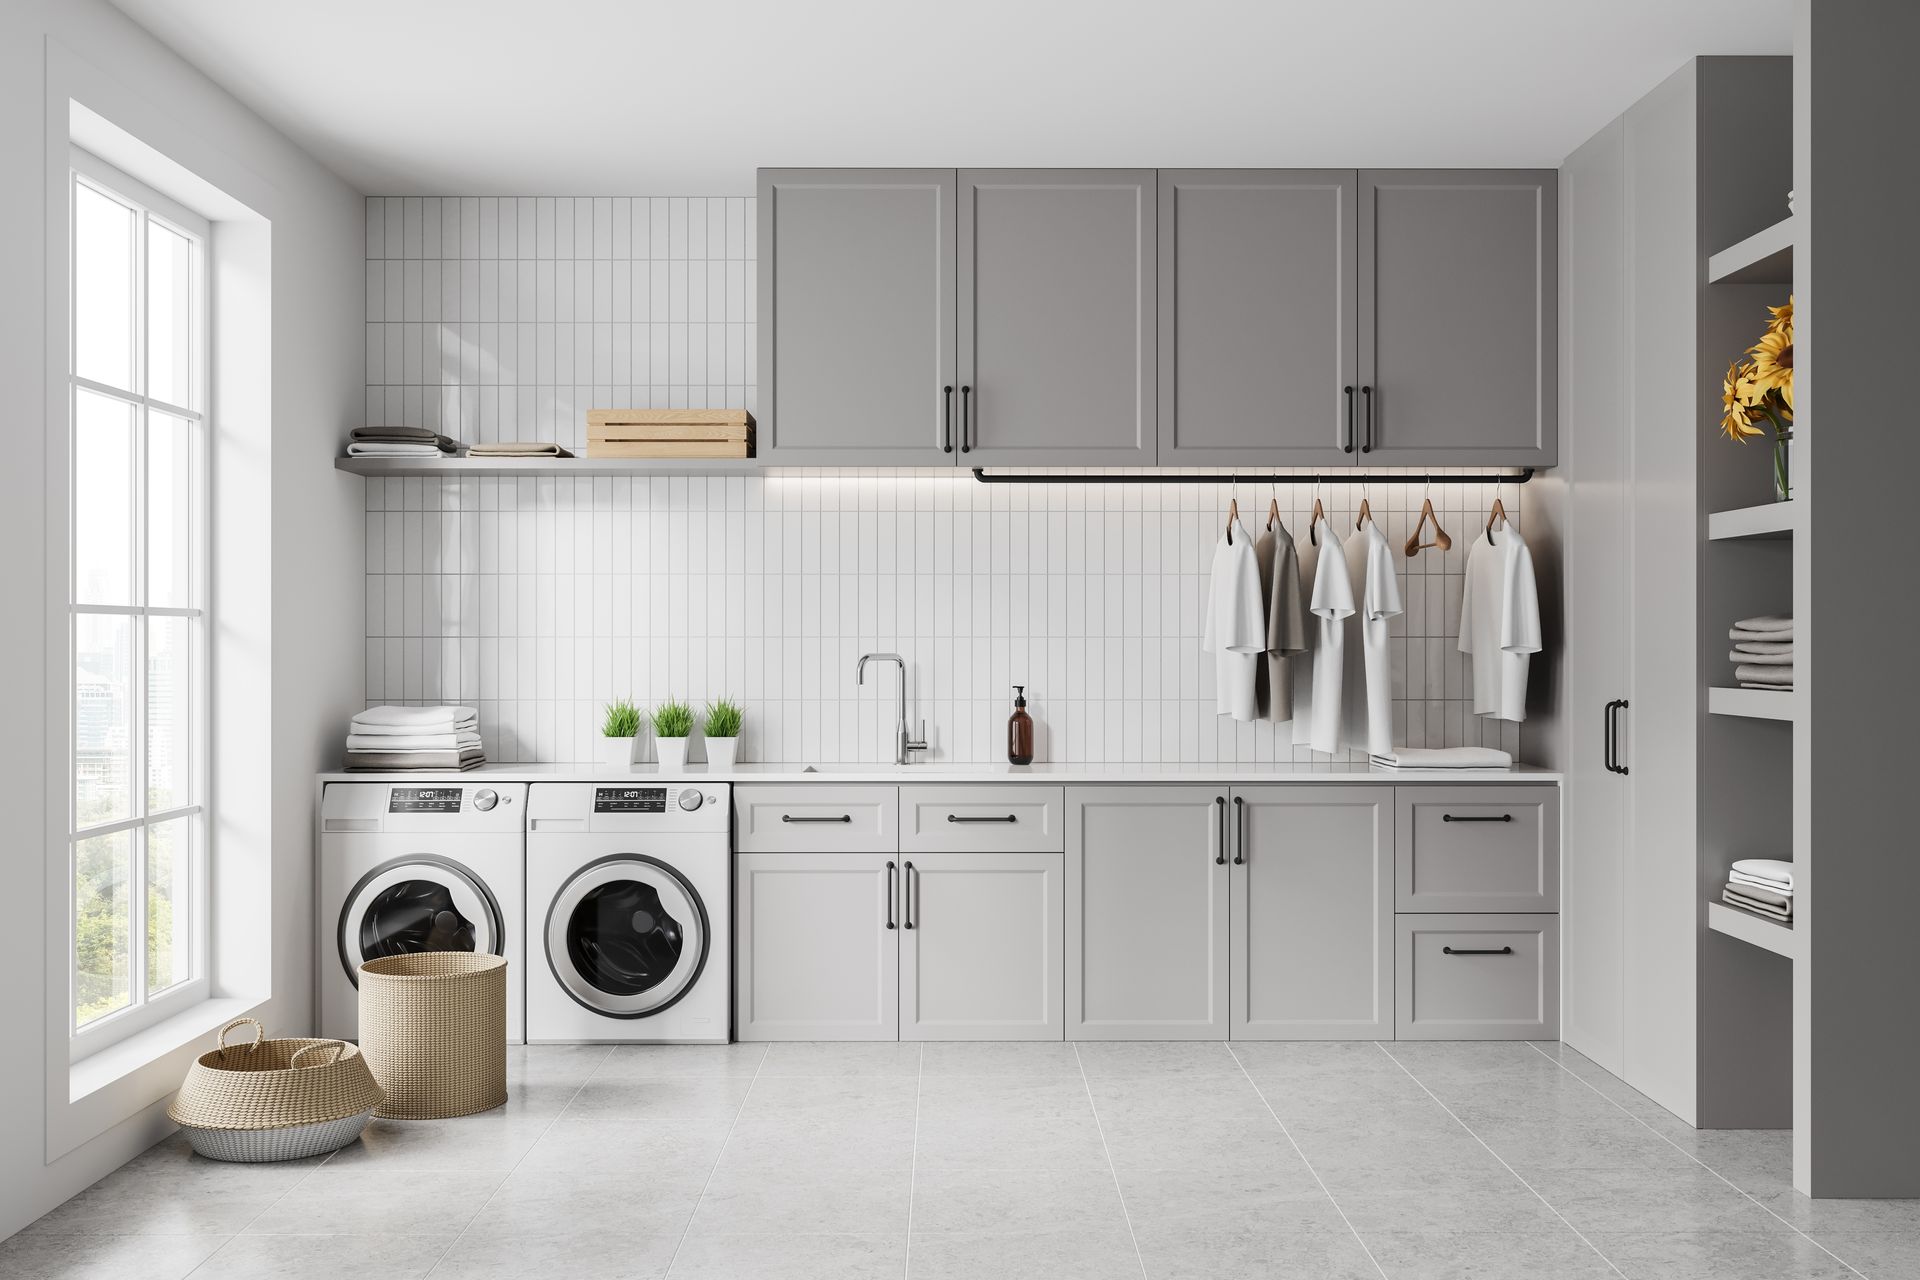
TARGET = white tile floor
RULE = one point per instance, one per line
(999, 1161)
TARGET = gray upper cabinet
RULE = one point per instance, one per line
(1458, 317)
(1056, 317)
(856, 315)
(1257, 329)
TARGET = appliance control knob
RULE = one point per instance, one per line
(690, 800)
(485, 798)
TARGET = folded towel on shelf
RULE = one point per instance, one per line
(460, 741)
(1772, 623)
(393, 449)
(1753, 673)
(1443, 758)
(1767, 688)
(1757, 907)
(423, 434)
(398, 760)
(1762, 659)
(413, 719)
(1771, 873)
(1764, 646)
(1760, 893)
(517, 449)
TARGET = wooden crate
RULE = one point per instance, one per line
(669, 433)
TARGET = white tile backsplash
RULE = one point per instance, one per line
(538, 599)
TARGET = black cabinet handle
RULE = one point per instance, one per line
(908, 896)
(1240, 849)
(1476, 817)
(1366, 393)
(954, 817)
(890, 875)
(789, 817)
(1614, 709)
(966, 419)
(1461, 951)
(1606, 734)
(946, 421)
(1220, 851)
(1348, 446)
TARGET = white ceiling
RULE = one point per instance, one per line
(642, 97)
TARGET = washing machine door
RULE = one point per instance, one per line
(627, 935)
(420, 902)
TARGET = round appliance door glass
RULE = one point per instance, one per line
(627, 936)
(418, 903)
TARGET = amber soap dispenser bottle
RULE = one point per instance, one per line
(1020, 729)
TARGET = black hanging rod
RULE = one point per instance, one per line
(980, 474)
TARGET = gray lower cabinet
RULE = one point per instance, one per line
(1056, 317)
(980, 946)
(856, 317)
(1257, 331)
(1147, 913)
(1458, 317)
(1479, 977)
(1313, 935)
(816, 950)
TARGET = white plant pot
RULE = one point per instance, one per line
(673, 754)
(616, 753)
(722, 753)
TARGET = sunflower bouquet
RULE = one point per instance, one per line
(1758, 392)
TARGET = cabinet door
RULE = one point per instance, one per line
(980, 949)
(817, 951)
(1313, 913)
(1257, 295)
(1458, 319)
(1146, 913)
(856, 312)
(1057, 317)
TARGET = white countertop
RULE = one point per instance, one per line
(936, 773)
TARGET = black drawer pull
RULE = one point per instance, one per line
(954, 817)
(890, 875)
(1476, 817)
(1477, 951)
(788, 817)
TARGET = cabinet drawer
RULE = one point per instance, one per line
(982, 819)
(816, 819)
(1487, 977)
(1478, 848)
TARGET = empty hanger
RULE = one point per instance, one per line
(1441, 538)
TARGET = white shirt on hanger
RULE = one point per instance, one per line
(1236, 625)
(1317, 672)
(1500, 622)
(1366, 718)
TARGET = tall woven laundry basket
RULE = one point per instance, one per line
(433, 1027)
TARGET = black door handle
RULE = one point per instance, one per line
(1461, 951)
(1613, 735)
(946, 420)
(1348, 446)
(788, 817)
(954, 817)
(1366, 393)
(1606, 734)
(1220, 853)
(1476, 817)
(907, 896)
(1240, 849)
(966, 419)
(890, 875)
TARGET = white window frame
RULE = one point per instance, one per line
(144, 1011)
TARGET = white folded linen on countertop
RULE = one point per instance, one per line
(413, 719)
(1444, 758)
(1771, 873)
(413, 741)
(1759, 908)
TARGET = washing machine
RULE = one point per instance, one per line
(407, 868)
(628, 913)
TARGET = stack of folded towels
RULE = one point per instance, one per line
(1763, 653)
(399, 442)
(1763, 886)
(1443, 758)
(388, 738)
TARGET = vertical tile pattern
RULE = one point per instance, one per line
(536, 600)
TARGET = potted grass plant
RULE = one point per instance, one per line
(672, 722)
(722, 730)
(617, 731)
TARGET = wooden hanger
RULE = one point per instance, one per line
(1313, 525)
(1499, 513)
(1273, 513)
(1233, 517)
(1441, 538)
(1366, 514)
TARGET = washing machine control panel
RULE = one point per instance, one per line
(629, 799)
(424, 800)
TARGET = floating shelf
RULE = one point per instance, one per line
(1768, 935)
(1757, 704)
(578, 467)
(1765, 257)
(1773, 520)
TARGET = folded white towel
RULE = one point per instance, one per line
(1444, 758)
(413, 741)
(1762, 659)
(1774, 873)
(1765, 622)
(409, 730)
(393, 449)
(412, 719)
(1748, 673)
(1749, 888)
(1756, 906)
(1764, 646)
(517, 449)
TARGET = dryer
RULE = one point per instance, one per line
(407, 867)
(629, 913)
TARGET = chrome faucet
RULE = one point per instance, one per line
(902, 743)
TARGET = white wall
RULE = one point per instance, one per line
(312, 525)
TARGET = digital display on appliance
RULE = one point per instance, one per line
(629, 799)
(424, 800)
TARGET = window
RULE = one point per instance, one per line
(137, 615)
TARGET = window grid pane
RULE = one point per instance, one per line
(103, 926)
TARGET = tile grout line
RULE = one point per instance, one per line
(913, 1160)
(1112, 1170)
(1614, 1267)
(1696, 1159)
(468, 1225)
(1321, 1182)
(719, 1155)
(264, 1210)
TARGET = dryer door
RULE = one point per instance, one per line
(421, 902)
(627, 935)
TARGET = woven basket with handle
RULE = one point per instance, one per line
(274, 1099)
(433, 1025)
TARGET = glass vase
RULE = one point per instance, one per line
(1783, 466)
